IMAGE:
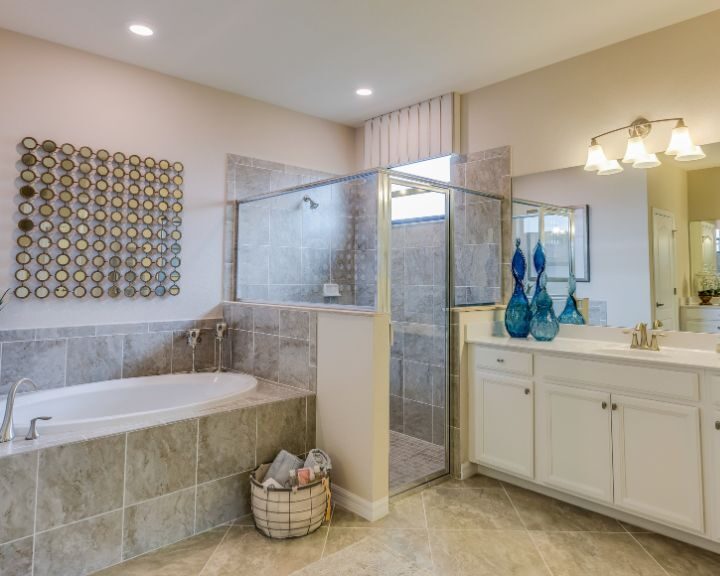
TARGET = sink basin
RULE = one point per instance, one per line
(634, 353)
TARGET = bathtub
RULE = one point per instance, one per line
(146, 400)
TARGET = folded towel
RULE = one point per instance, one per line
(280, 468)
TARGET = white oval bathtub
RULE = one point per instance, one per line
(119, 402)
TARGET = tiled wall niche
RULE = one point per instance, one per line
(138, 491)
(57, 357)
(275, 343)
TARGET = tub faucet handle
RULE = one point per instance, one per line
(32, 432)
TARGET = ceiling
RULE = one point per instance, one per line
(311, 55)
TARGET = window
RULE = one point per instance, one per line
(408, 206)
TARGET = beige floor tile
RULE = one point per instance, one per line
(482, 509)
(411, 544)
(634, 529)
(245, 551)
(485, 553)
(185, 558)
(595, 554)
(539, 512)
(365, 558)
(405, 512)
(678, 558)
(477, 481)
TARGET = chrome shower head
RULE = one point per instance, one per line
(313, 204)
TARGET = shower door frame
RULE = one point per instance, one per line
(386, 179)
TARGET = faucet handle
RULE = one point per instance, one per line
(32, 432)
(657, 325)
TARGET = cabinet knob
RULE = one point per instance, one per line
(604, 405)
(717, 425)
(614, 406)
(527, 391)
(500, 360)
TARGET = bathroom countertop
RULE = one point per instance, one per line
(604, 350)
(265, 393)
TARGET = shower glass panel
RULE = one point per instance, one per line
(313, 245)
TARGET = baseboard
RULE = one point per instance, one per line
(689, 538)
(365, 508)
(467, 469)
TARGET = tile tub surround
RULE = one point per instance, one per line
(275, 343)
(57, 357)
(143, 489)
(419, 316)
(247, 177)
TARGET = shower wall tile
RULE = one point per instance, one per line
(417, 381)
(41, 361)
(76, 481)
(286, 227)
(266, 353)
(204, 353)
(418, 266)
(294, 365)
(419, 304)
(396, 376)
(253, 264)
(93, 359)
(315, 268)
(66, 551)
(16, 557)
(396, 414)
(253, 226)
(160, 460)
(251, 180)
(147, 354)
(17, 496)
(158, 522)
(266, 320)
(285, 265)
(417, 420)
(243, 356)
(295, 324)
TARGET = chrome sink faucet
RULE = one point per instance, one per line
(7, 430)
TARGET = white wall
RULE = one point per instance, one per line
(619, 257)
(549, 115)
(50, 91)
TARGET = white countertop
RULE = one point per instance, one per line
(602, 350)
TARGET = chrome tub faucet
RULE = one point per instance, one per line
(220, 335)
(7, 430)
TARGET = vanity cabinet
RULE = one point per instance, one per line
(657, 460)
(623, 434)
(577, 448)
(504, 430)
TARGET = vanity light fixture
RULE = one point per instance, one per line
(141, 29)
(364, 92)
(681, 147)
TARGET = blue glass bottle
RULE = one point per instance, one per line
(517, 314)
(571, 314)
(539, 263)
(544, 325)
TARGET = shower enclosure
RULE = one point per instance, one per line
(388, 242)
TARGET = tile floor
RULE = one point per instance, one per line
(413, 460)
(476, 527)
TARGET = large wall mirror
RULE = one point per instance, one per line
(644, 244)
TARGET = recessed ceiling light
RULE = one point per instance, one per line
(363, 92)
(141, 30)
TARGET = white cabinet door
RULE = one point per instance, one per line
(657, 461)
(576, 441)
(715, 496)
(502, 423)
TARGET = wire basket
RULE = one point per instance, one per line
(289, 512)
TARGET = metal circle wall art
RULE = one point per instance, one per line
(96, 224)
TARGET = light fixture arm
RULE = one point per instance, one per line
(640, 127)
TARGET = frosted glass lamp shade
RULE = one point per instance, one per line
(694, 153)
(647, 161)
(610, 167)
(635, 150)
(680, 141)
(596, 158)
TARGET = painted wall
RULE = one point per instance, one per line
(49, 91)
(668, 190)
(619, 244)
(704, 194)
(549, 115)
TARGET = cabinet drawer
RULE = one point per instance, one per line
(707, 314)
(660, 382)
(702, 327)
(501, 360)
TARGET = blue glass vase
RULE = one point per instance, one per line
(517, 314)
(539, 263)
(571, 314)
(544, 325)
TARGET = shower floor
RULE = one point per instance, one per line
(413, 461)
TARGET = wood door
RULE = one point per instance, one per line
(665, 305)
(577, 443)
(503, 423)
(658, 461)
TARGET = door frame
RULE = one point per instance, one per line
(653, 291)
